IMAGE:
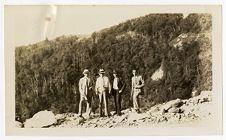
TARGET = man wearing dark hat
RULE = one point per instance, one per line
(85, 86)
(137, 86)
(117, 88)
(103, 88)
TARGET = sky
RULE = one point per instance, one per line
(30, 24)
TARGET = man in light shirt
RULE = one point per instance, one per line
(103, 88)
(85, 86)
(118, 87)
(137, 86)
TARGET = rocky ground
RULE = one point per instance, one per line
(177, 112)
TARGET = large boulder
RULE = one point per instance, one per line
(172, 104)
(41, 119)
(18, 124)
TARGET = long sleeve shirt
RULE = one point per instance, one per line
(84, 86)
(118, 84)
(102, 83)
(137, 82)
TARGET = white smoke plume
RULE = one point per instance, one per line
(50, 21)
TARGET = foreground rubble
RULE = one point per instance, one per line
(173, 112)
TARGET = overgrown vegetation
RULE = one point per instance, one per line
(47, 73)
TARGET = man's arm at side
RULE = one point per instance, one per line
(109, 85)
(96, 86)
(80, 86)
(132, 87)
(123, 85)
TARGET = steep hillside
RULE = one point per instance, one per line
(47, 72)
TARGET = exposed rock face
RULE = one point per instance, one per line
(158, 74)
(173, 112)
(41, 119)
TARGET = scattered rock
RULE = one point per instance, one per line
(70, 118)
(110, 126)
(205, 96)
(155, 109)
(206, 99)
(175, 110)
(79, 120)
(194, 100)
(205, 93)
(135, 116)
(162, 119)
(164, 111)
(173, 119)
(173, 103)
(18, 124)
(126, 111)
(66, 116)
(113, 113)
(121, 118)
(41, 119)
(60, 116)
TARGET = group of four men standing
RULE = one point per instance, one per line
(104, 87)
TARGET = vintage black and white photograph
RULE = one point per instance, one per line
(116, 67)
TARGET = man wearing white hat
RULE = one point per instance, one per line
(103, 88)
(85, 86)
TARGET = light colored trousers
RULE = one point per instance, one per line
(88, 105)
(103, 97)
(136, 93)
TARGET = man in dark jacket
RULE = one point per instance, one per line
(117, 89)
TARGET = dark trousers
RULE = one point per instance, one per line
(103, 99)
(117, 99)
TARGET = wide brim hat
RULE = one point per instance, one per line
(86, 71)
(101, 71)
